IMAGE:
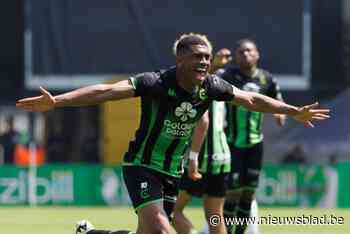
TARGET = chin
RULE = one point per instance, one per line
(201, 78)
(199, 81)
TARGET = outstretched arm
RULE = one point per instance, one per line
(90, 95)
(261, 103)
(198, 137)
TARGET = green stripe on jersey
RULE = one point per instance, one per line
(162, 144)
(248, 125)
(255, 134)
(154, 112)
(241, 124)
(217, 159)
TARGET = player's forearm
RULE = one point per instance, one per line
(95, 94)
(199, 134)
(197, 139)
(89, 95)
(262, 103)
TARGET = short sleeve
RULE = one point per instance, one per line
(274, 90)
(143, 83)
(220, 90)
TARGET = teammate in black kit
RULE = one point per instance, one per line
(172, 102)
(244, 130)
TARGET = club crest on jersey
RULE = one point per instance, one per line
(251, 87)
(203, 94)
(171, 93)
(185, 111)
(144, 190)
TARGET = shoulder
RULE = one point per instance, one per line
(266, 74)
(267, 78)
(213, 80)
(230, 74)
(157, 74)
(152, 83)
(146, 78)
(218, 89)
(151, 76)
(227, 72)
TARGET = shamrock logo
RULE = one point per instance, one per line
(184, 111)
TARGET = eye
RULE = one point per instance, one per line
(201, 56)
(198, 56)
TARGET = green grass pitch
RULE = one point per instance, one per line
(61, 220)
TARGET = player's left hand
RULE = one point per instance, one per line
(307, 114)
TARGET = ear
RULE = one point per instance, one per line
(257, 54)
(179, 60)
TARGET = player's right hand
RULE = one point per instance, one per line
(195, 175)
(193, 170)
(42, 103)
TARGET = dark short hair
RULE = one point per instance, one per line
(240, 42)
(184, 43)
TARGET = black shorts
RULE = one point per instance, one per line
(245, 167)
(210, 185)
(147, 186)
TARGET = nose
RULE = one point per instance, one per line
(204, 60)
(246, 53)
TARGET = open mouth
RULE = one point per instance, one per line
(201, 71)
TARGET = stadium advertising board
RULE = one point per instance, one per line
(306, 186)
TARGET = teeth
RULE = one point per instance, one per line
(201, 69)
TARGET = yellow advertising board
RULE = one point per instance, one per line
(119, 122)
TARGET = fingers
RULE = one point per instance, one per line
(312, 106)
(321, 116)
(309, 124)
(325, 111)
(32, 100)
(27, 101)
(44, 91)
(195, 176)
(318, 118)
(47, 94)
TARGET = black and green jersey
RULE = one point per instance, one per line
(243, 126)
(215, 157)
(168, 117)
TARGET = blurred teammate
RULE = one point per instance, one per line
(213, 163)
(172, 102)
(244, 130)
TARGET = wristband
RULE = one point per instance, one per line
(193, 155)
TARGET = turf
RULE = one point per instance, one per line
(60, 220)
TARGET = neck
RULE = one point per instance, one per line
(250, 72)
(184, 82)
